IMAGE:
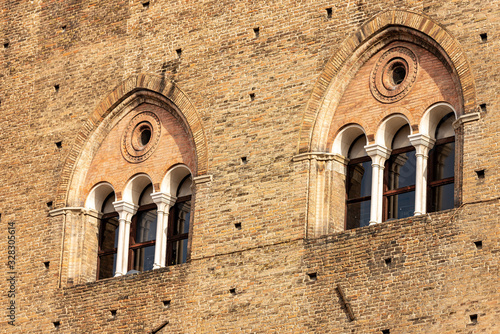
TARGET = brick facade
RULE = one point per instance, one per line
(254, 117)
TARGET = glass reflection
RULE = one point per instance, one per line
(145, 231)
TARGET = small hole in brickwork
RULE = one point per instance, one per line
(483, 107)
(237, 226)
(252, 96)
(232, 291)
(59, 144)
(56, 87)
(6, 45)
(166, 303)
(256, 31)
(46, 264)
(329, 13)
(480, 174)
(388, 261)
(63, 28)
(113, 313)
(313, 276)
(145, 5)
(386, 331)
(49, 205)
(473, 318)
(179, 52)
(479, 244)
(484, 37)
(56, 324)
(244, 160)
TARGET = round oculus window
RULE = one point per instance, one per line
(141, 137)
(394, 74)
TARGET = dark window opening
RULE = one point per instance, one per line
(399, 178)
(143, 233)
(108, 239)
(479, 244)
(178, 225)
(358, 185)
(398, 74)
(484, 37)
(441, 168)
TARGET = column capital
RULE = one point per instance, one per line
(125, 210)
(422, 142)
(378, 153)
(163, 201)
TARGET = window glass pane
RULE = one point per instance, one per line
(445, 128)
(443, 159)
(146, 226)
(357, 149)
(144, 258)
(181, 222)
(401, 170)
(185, 188)
(360, 180)
(108, 206)
(442, 198)
(401, 206)
(109, 230)
(107, 266)
(179, 252)
(358, 214)
(401, 137)
(146, 196)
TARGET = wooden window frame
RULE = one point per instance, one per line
(171, 238)
(437, 183)
(348, 201)
(132, 245)
(386, 192)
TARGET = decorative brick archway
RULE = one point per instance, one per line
(371, 37)
(142, 86)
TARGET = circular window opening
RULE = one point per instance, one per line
(141, 136)
(398, 74)
(145, 136)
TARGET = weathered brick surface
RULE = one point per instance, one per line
(437, 277)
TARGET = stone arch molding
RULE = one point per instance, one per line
(381, 30)
(130, 93)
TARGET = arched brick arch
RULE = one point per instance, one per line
(372, 36)
(94, 128)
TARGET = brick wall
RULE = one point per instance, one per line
(437, 277)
